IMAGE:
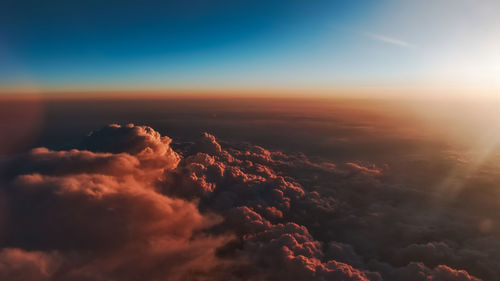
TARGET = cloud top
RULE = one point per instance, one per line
(125, 206)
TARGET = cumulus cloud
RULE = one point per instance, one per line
(48, 162)
(152, 149)
(99, 211)
(20, 265)
(124, 205)
(417, 272)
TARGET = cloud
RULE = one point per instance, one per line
(389, 40)
(20, 265)
(100, 213)
(125, 206)
(417, 272)
(146, 144)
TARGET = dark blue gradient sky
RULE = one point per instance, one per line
(239, 44)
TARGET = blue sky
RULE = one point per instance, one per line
(76, 44)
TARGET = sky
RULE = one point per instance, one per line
(426, 46)
(125, 187)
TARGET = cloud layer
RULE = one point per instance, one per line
(123, 205)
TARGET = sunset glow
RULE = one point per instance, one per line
(447, 46)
